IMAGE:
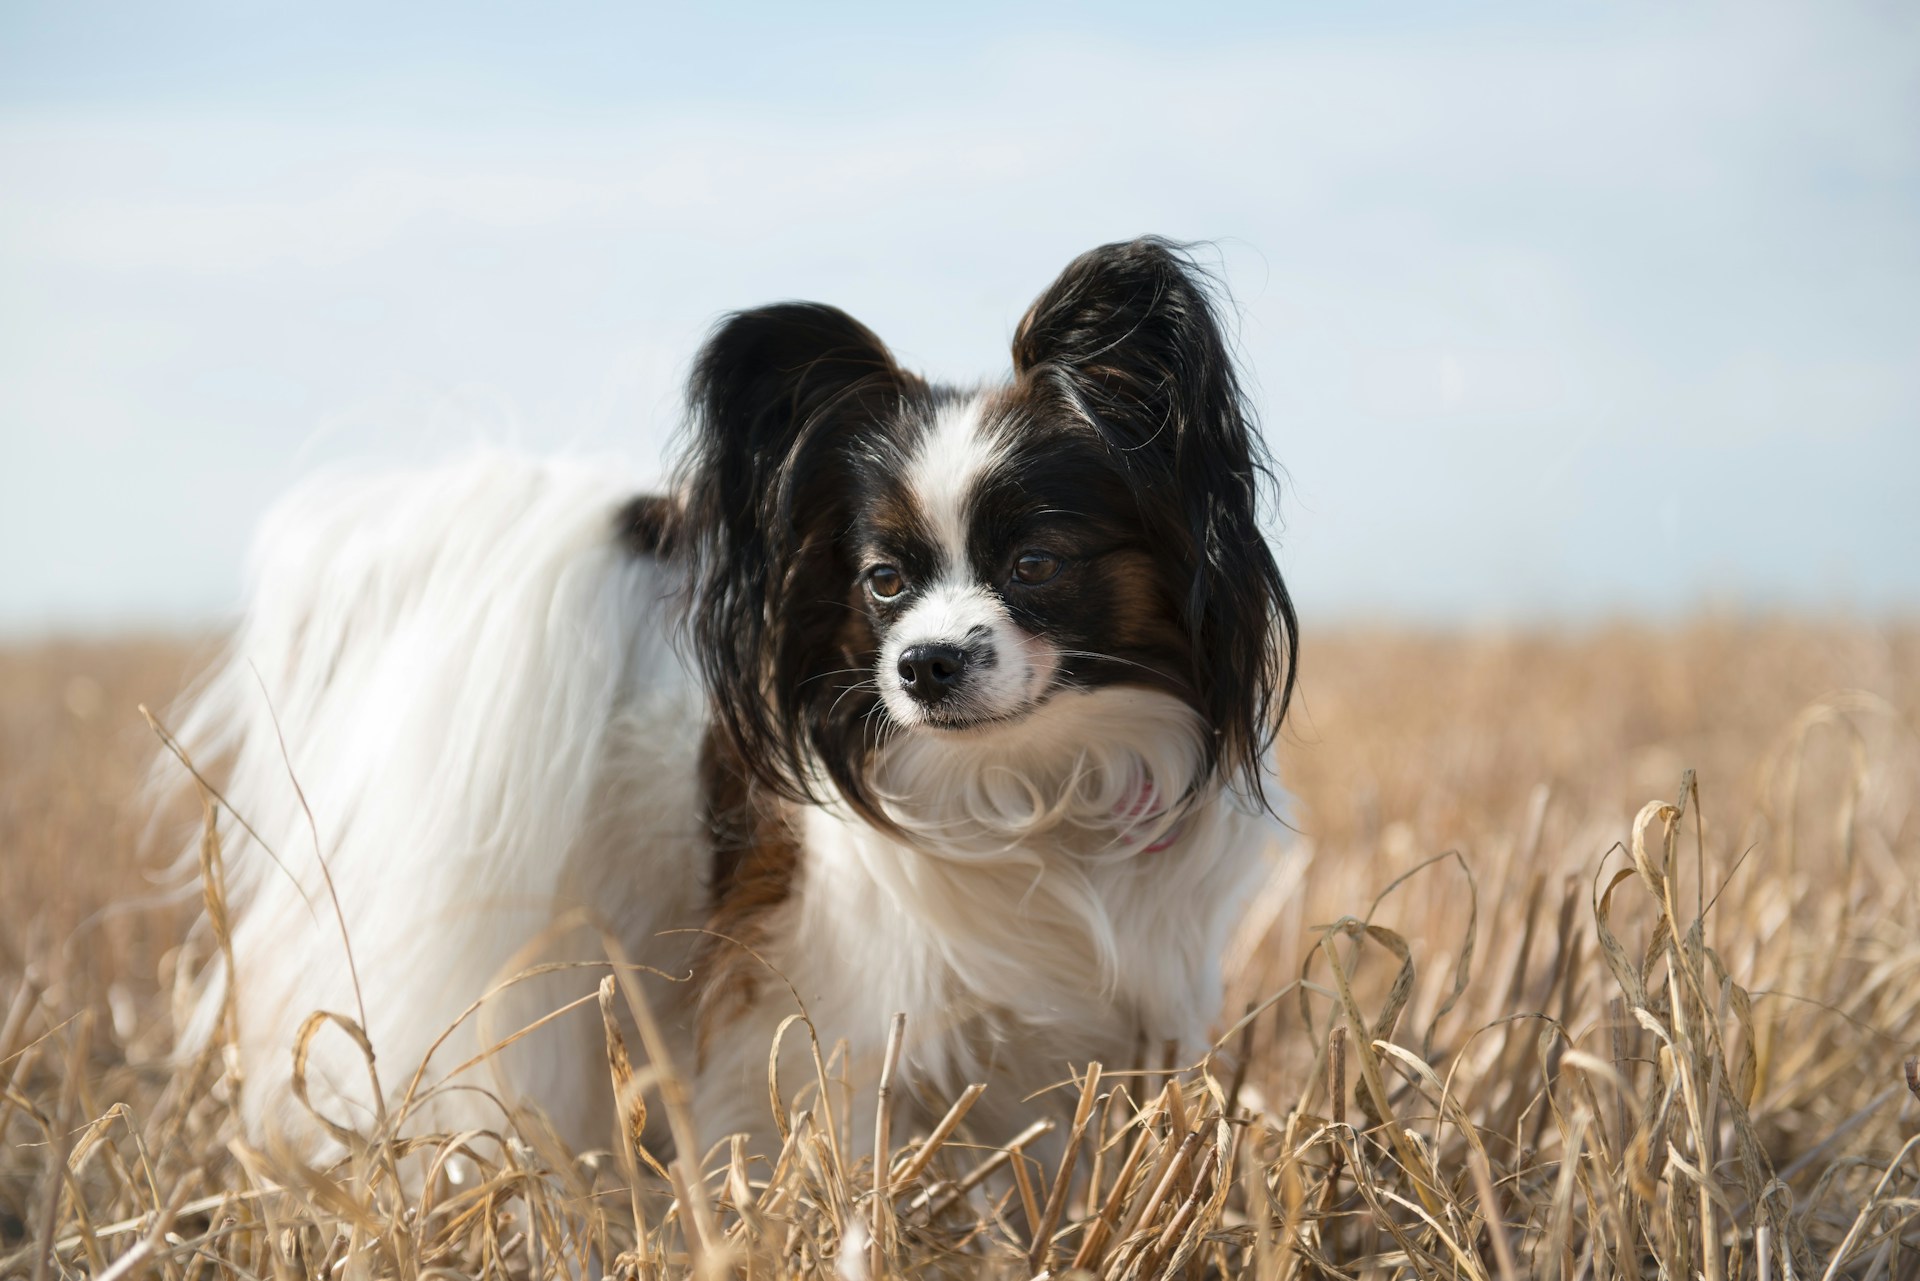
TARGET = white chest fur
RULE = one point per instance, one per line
(1030, 917)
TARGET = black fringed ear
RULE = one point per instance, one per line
(774, 394)
(1128, 335)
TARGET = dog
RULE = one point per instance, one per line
(900, 698)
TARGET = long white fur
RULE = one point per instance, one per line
(476, 694)
(1021, 925)
(477, 698)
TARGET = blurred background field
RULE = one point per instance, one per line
(1527, 753)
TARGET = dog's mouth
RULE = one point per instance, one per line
(964, 720)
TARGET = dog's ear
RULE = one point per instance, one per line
(1130, 337)
(774, 395)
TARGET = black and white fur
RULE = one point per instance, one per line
(968, 716)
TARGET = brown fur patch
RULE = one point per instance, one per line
(756, 856)
(1142, 616)
(649, 524)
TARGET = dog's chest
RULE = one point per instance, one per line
(1015, 968)
(1007, 962)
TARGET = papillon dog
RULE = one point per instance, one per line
(956, 702)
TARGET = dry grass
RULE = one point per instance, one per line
(1532, 1006)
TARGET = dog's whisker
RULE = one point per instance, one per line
(1105, 658)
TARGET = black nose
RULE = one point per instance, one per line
(929, 672)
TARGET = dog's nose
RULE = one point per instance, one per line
(930, 672)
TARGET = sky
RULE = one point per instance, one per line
(1551, 312)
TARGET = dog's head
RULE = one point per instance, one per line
(874, 556)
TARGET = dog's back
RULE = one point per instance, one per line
(455, 687)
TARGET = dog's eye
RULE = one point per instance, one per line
(885, 582)
(1035, 567)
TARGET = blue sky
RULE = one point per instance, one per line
(1552, 311)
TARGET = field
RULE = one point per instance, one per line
(1525, 1002)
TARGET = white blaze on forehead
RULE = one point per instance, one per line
(948, 462)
